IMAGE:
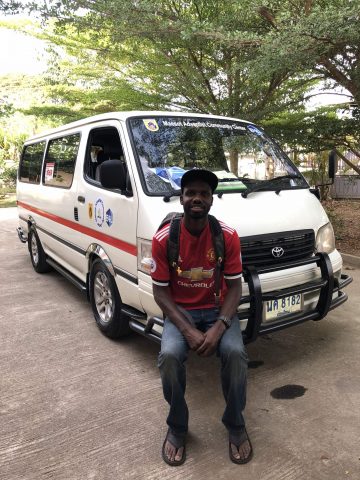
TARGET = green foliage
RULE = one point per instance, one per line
(10, 6)
(10, 145)
(255, 59)
(11, 142)
(6, 108)
(314, 131)
(163, 54)
(8, 176)
(318, 36)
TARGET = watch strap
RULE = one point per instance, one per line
(226, 320)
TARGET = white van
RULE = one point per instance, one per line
(92, 193)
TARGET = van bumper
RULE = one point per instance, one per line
(326, 289)
(330, 296)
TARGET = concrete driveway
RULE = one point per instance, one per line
(75, 405)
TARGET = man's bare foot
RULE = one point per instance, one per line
(240, 449)
(173, 453)
(173, 450)
(242, 452)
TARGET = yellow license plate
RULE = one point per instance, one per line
(274, 309)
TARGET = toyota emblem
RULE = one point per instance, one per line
(277, 252)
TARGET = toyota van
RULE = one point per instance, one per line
(91, 195)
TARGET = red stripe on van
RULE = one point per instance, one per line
(115, 242)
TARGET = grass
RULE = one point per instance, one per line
(7, 198)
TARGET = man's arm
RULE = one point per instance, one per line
(233, 297)
(164, 299)
(229, 307)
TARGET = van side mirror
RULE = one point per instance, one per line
(332, 165)
(113, 174)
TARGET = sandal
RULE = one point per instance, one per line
(177, 441)
(237, 440)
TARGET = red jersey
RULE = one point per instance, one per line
(192, 285)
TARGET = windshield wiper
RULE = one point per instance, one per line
(268, 183)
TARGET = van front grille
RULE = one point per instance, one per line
(277, 248)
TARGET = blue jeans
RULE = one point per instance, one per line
(173, 354)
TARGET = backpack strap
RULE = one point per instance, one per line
(218, 240)
(219, 248)
(173, 243)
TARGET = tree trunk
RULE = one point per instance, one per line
(234, 161)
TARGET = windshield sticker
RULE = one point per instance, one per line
(90, 210)
(228, 181)
(254, 129)
(109, 218)
(197, 124)
(171, 175)
(151, 124)
(222, 174)
(49, 171)
(223, 186)
(99, 212)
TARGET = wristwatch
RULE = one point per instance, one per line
(226, 320)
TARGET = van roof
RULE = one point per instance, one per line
(122, 116)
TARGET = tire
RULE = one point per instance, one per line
(106, 302)
(37, 254)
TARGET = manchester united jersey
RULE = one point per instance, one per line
(192, 284)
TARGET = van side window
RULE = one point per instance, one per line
(31, 161)
(60, 161)
(103, 144)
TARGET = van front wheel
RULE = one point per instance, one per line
(106, 302)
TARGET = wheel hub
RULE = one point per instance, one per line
(34, 250)
(103, 297)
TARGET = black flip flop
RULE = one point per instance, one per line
(237, 440)
(177, 441)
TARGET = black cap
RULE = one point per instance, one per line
(199, 174)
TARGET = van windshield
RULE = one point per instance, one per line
(242, 156)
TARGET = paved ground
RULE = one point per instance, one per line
(76, 406)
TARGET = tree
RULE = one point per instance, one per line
(318, 132)
(6, 107)
(186, 55)
(313, 131)
(10, 6)
(321, 36)
(252, 59)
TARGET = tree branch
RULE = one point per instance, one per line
(348, 162)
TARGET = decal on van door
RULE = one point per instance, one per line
(90, 210)
(99, 212)
(109, 218)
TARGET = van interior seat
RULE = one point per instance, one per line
(103, 156)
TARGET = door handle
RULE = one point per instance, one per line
(81, 199)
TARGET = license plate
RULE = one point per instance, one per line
(274, 309)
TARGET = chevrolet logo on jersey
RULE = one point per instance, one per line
(196, 274)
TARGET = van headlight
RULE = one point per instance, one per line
(325, 239)
(144, 259)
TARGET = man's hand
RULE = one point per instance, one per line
(194, 338)
(211, 339)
